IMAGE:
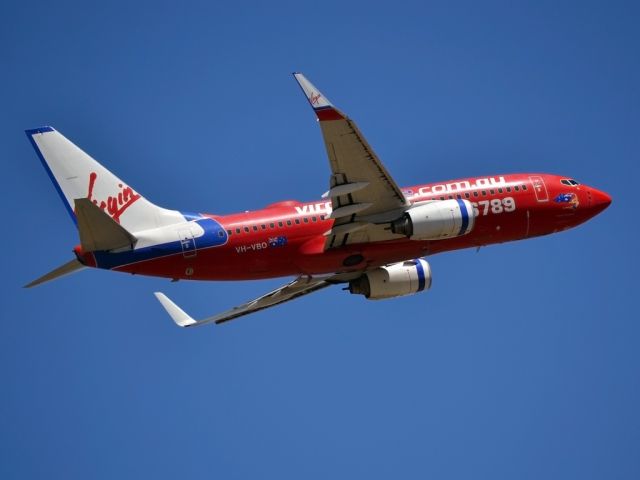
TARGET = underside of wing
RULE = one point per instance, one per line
(297, 288)
(363, 194)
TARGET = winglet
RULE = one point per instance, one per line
(321, 105)
(178, 315)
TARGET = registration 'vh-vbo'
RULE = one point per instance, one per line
(366, 233)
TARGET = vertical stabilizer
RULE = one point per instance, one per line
(76, 175)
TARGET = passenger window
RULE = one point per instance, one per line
(516, 188)
(228, 232)
(288, 223)
(305, 220)
(297, 221)
(450, 197)
(466, 195)
(264, 227)
(313, 219)
(280, 224)
(441, 198)
(484, 193)
(246, 229)
(492, 192)
(475, 194)
(322, 217)
(499, 190)
(237, 230)
(255, 228)
(272, 225)
(524, 187)
(458, 196)
(508, 189)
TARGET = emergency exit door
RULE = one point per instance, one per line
(539, 188)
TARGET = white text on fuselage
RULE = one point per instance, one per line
(461, 186)
(310, 209)
(477, 184)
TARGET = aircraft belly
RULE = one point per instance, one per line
(225, 263)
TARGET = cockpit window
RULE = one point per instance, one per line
(569, 181)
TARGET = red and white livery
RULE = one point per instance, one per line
(366, 232)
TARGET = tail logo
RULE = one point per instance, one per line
(113, 205)
(314, 98)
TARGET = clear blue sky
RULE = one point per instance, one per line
(521, 362)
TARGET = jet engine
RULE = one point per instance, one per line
(436, 220)
(394, 280)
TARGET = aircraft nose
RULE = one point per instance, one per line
(599, 200)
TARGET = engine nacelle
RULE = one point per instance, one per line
(395, 280)
(436, 220)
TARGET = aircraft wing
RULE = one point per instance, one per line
(361, 190)
(300, 286)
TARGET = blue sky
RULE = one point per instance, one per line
(521, 362)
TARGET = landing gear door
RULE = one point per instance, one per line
(187, 242)
(539, 188)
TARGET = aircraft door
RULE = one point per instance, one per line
(187, 242)
(539, 188)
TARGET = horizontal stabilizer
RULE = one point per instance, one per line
(66, 269)
(98, 231)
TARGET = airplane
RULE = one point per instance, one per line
(365, 233)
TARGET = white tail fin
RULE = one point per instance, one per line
(76, 175)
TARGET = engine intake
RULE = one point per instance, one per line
(436, 220)
(394, 280)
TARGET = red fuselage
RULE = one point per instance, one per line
(287, 238)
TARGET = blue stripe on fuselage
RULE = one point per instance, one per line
(214, 236)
